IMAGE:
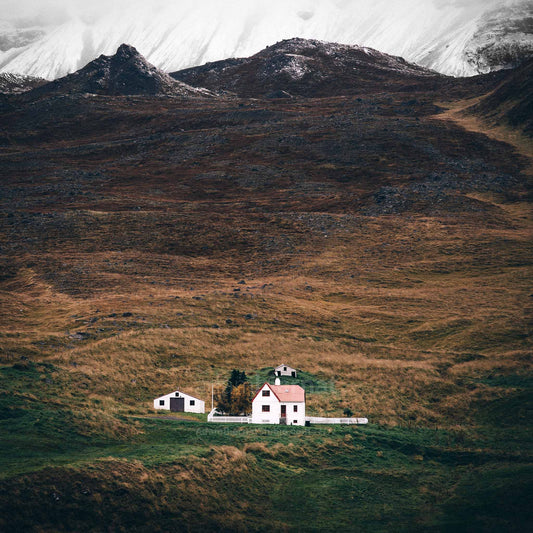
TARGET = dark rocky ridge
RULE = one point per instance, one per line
(511, 103)
(125, 73)
(304, 67)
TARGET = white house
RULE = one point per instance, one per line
(279, 404)
(284, 370)
(179, 402)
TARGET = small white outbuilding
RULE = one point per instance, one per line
(285, 370)
(179, 402)
(279, 404)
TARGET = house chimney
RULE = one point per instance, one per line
(277, 382)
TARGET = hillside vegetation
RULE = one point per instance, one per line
(150, 243)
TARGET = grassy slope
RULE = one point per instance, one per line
(199, 476)
(122, 285)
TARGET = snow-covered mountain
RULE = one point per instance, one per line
(17, 83)
(456, 37)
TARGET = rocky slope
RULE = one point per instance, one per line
(306, 67)
(125, 73)
(511, 103)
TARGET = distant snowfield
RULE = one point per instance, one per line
(50, 38)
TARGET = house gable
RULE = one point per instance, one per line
(263, 388)
(285, 370)
(180, 401)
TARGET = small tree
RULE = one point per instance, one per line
(241, 399)
(221, 399)
(348, 412)
(236, 397)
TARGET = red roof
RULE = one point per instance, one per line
(286, 393)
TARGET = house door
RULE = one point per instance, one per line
(293, 373)
(283, 418)
(177, 405)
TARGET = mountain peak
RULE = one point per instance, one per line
(295, 43)
(299, 44)
(127, 51)
(309, 67)
(126, 72)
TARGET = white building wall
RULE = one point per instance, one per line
(284, 370)
(273, 416)
(163, 402)
(295, 418)
(260, 417)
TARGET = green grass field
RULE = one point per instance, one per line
(226, 477)
(68, 471)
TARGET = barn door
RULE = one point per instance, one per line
(177, 405)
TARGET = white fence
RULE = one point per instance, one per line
(214, 417)
(324, 420)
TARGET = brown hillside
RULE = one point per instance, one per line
(155, 242)
(380, 248)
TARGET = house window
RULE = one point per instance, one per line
(285, 368)
(191, 402)
(161, 402)
(295, 408)
(266, 408)
(295, 421)
(177, 394)
(266, 393)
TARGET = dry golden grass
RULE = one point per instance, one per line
(162, 258)
(395, 312)
(381, 339)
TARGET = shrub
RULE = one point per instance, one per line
(236, 397)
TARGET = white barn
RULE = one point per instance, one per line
(279, 404)
(284, 370)
(179, 402)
